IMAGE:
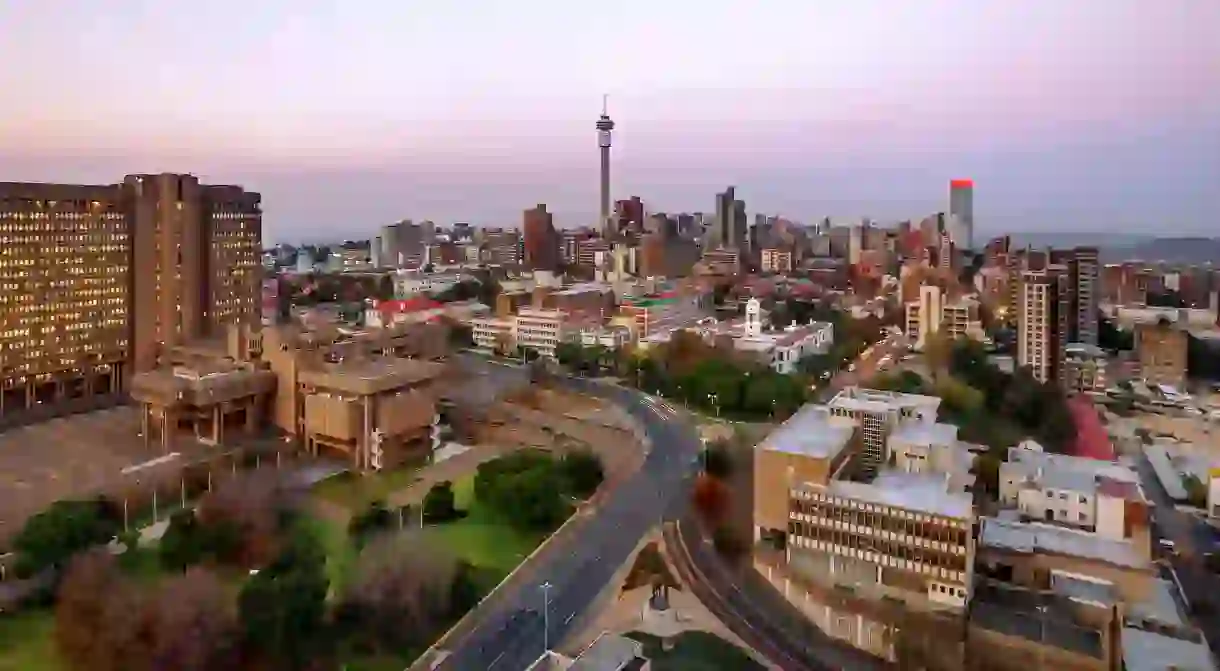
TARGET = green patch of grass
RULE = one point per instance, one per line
(340, 552)
(696, 651)
(485, 540)
(27, 641)
(481, 537)
(355, 491)
(463, 493)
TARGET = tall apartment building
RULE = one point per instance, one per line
(501, 246)
(98, 281)
(403, 244)
(730, 228)
(961, 212)
(1040, 322)
(540, 239)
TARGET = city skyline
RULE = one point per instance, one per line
(1094, 116)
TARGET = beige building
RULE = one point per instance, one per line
(352, 393)
(538, 329)
(1161, 348)
(99, 281)
(777, 261)
(934, 312)
(1084, 368)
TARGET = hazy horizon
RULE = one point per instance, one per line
(1087, 116)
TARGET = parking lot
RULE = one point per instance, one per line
(71, 456)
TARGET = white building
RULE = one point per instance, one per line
(610, 337)
(540, 330)
(1087, 494)
(492, 332)
(408, 283)
(879, 413)
(918, 446)
(782, 350)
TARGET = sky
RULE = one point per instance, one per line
(1086, 115)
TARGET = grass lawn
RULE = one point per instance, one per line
(696, 651)
(340, 552)
(481, 538)
(355, 492)
(27, 642)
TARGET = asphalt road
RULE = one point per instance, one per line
(511, 636)
(1192, 538)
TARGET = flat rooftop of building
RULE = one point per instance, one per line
(1084, 469)
(372, 375)
(1150, 651)
(920, 432)
(926, 493)
(811, 432)
(1033, 537)
(875, 400)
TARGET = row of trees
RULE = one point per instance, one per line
(284, 612)
(700, 375)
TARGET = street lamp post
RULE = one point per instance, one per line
(546, 616)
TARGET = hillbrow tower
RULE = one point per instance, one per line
(604, 128)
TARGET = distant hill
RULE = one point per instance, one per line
(1120, 247)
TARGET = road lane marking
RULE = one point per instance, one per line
(497, 659)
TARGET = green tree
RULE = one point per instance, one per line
(374, 520)
(283, 607)
(440, 504)
(52, 537)
(582, 472)
(183, 544)
(530, 498)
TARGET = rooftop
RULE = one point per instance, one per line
(1031, 537)
(1149, 651)
(928, 493)
(925, 433)
(811, 432)
(873, 400)
(372, 375)
(1072, 473)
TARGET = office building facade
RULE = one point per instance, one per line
(97, 282)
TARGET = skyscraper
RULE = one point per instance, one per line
(1042, 322)
(604, 129)
(961, 212)
(97, 281)
(730, 227)
(541, 240)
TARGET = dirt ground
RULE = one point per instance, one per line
(72, 456)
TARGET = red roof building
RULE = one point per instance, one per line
(1092, 441)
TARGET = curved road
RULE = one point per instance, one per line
(511, 636)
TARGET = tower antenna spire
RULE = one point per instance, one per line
(605, 104)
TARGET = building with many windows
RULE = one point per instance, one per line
(99, 281)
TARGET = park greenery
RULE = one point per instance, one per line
(714, 379)
(246, 579)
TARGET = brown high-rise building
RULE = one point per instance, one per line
(541, 240)
(1161, 347)
(97, 281)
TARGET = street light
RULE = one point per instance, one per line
(546, 616)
